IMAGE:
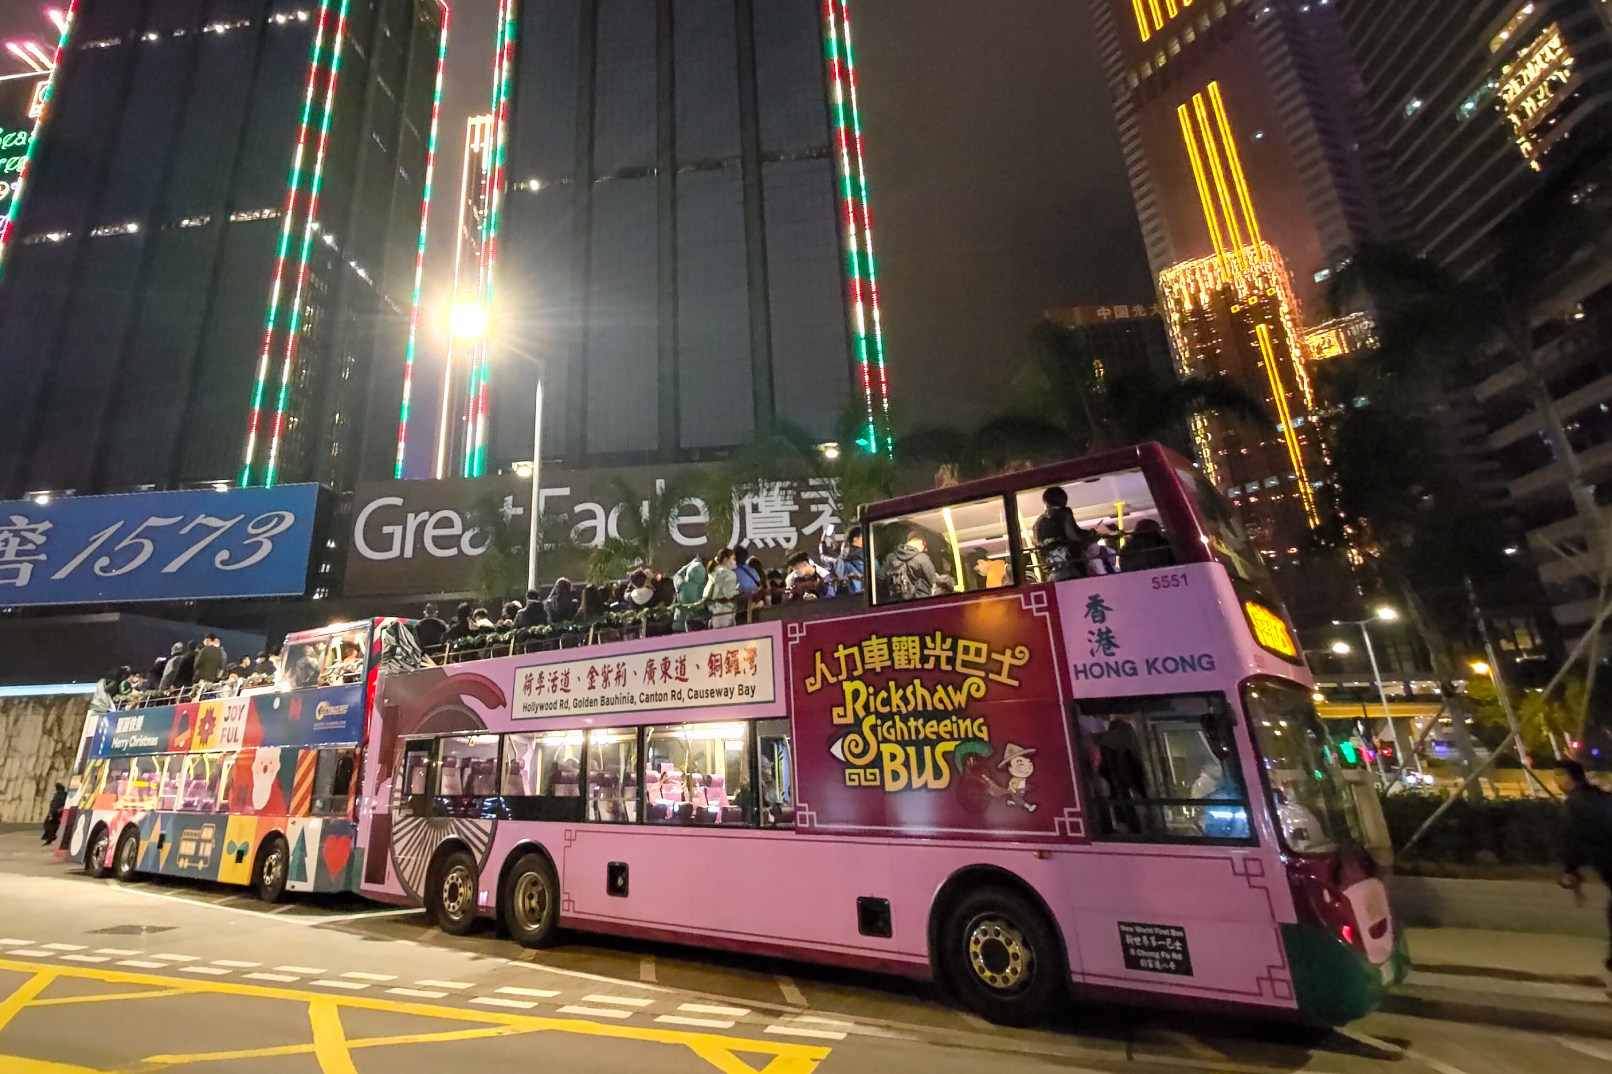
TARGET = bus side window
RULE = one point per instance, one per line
(613, 776)
(1095, 526)
(775, 765)
(333, 782)
(697, 774)
(1163, 769)
(540, 775)
(962, 548)
(415, 776)
(469, 767)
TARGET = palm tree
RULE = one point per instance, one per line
(644, 524)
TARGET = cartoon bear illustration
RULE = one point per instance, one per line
(265, 775)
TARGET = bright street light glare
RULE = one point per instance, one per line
(1340, 647)
(468, 320)
(1387, 615)
(1480, 667)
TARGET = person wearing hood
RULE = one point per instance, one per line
(532, 613)
(640, 592)
(689, 581)
(722, 589)
(170, 668)
(160, 665)
(564, 603)
(909, 573)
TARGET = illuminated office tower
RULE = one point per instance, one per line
(463, 402)
(680, 229)
(1238, 123)
(212, 272)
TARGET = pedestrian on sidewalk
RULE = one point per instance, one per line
(1589, 833)
(53, 819)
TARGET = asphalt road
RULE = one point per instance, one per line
(97, 976)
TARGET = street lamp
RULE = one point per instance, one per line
(1382, 615)
(1341, 648)
(470, 321)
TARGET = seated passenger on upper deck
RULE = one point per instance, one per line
(1146, 548)
(1060, 539)
(909, 573)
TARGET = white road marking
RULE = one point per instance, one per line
(35, 954)
(976, 1021)
(539, 993)
(791, 1031)
(835, 1022)
(115, 951)
(232, 964)
(494, 1001)
(361, 914)
(625, 1001)
(357, 976)
(445, 984)
(354, 985)
(711, 1008)
(646, 969)
(281, 978)
(298, 969)
(86, 958)
(211, 971)
(177, 958)
(595, 1012)
(144, 964)
(1584, 1047)
(64, 946)
(282, 908)
(417, 993)
(9, 942)
(703, 1023)
(792, 995)
(1394, 1049)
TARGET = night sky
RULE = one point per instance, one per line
(998, 189)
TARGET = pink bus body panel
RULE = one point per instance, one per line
(1171, 631)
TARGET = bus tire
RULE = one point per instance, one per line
(126, 862)
(270, 872)
(529, 905)
(95, 852)
(451, 896)
(1001, 956)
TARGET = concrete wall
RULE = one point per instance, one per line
(38, 740)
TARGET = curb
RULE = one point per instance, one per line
(1555, 1020)
(1502, 974)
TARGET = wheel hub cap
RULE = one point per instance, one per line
(456, 891)
(273, 867)
(531, 901)
(998, 954)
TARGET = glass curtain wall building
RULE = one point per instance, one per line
(212, 273)
(679, 231)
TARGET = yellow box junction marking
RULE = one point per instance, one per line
(331, 1046)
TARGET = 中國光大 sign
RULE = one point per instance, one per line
(940, 718)
(188, 545)
(736, 672)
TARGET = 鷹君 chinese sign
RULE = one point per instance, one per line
(737, 672)
(189, 545)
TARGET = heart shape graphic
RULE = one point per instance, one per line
(336, 850)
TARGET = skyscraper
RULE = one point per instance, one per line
(679, 230)
(212, 272)
(1238, 122)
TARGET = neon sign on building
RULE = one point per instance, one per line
(1532, 86)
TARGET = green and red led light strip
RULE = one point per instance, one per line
(295, 324)
(39, 125)
(476, 453)
(292, 185)
(858, 225)
(419, 255)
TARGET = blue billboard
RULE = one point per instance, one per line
(190, 545)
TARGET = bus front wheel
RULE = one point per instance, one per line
(95, 851)
(269, 876)
(530, 902)
(127, 858)
(452, 896)
(1001, 957)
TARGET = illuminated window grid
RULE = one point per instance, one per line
(477, 150)
(292, 185)
(419, 255)
(861, 269)
(39, 122)
(1151, 15)
(504, 51)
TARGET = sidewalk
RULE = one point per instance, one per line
(1535, 981)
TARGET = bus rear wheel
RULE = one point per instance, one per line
(1001, 957)
(269, 874)
(530, 902)
(127, 859)
(451, 898)
(95, 851)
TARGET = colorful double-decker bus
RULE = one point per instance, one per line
(254, 788)
(1017, 764)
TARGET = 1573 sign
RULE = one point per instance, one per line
(157, 546)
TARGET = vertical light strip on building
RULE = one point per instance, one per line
(294, 325)
(475, 138)
(1234, 159)
(39, 125)
(419, 254)
(1141, 20)
(1228, 207)
(1267, 353)
(1205, 196)
(881, 403)
(477, 448)
(295, 181)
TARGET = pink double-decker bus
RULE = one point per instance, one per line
(1022, 761)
